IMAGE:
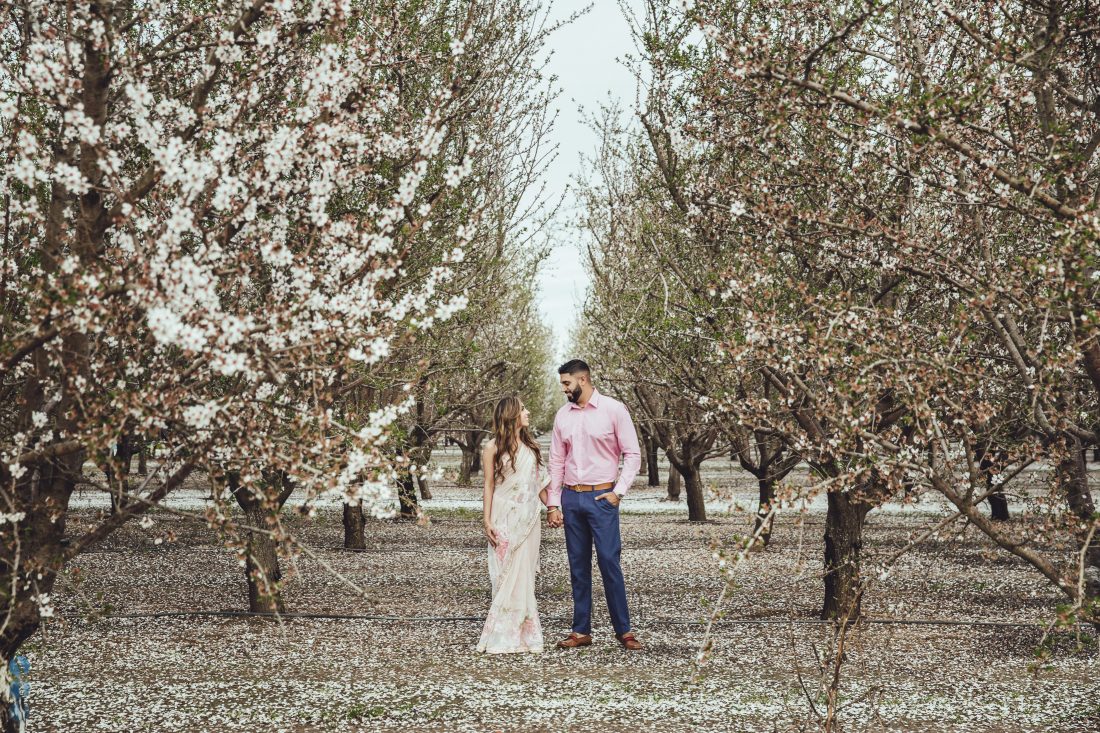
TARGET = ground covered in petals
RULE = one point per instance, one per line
(125, 670)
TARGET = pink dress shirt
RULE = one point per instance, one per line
(587, 443)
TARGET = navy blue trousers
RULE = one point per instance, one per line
(589, 522)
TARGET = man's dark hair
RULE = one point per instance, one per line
(574, 366)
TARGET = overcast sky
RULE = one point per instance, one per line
(584, 58)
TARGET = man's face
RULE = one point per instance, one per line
(572, 386)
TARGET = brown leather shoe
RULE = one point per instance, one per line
(575, 640)
(629, 642)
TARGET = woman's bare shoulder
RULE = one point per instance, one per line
(490, 447)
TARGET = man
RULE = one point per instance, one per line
(591, 432)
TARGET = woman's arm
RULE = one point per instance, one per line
(487, 455)
(544, 483)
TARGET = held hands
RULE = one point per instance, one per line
(554, 518)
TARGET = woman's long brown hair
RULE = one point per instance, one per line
(507, 433)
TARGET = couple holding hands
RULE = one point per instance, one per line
(581, 491)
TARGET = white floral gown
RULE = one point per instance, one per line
(512, 625)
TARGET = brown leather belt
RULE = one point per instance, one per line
(590, 487)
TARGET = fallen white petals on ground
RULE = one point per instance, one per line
(236, 674)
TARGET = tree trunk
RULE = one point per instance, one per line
(843, 542)
(32, 549)
(422, 455)
(117, 471)
(425, 489)
(262, 566)
(262, 572)
(998, 507)
(354, 526)
(421, 439)
(652, 467)
(762, 527)
(22, 622)
(127, 449)
(406, 495)
(674, 480)
(1073, 480)
(143, 465)
(998, 502)
(697, 511)
(471, 456)
(465, 468)
(409, 507)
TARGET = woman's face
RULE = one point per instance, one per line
(524, 417)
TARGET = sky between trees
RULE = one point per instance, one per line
(585, 57)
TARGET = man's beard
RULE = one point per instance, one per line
(573, 396)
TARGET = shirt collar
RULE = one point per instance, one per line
(593, 401)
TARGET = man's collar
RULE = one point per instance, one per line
(593, 400)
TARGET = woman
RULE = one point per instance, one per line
(514, 485)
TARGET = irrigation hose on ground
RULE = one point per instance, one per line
(647, 622)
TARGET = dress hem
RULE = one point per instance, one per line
(524, 650)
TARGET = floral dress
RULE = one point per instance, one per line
(512, 625)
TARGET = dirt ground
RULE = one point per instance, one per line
(209, 673)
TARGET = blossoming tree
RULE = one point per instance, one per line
(945, 178)
(209, 212)
(902, 199)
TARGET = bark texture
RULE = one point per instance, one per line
(354, 527)
(262, 572)
(1073, 480)
(674, 483)
(844, 521)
